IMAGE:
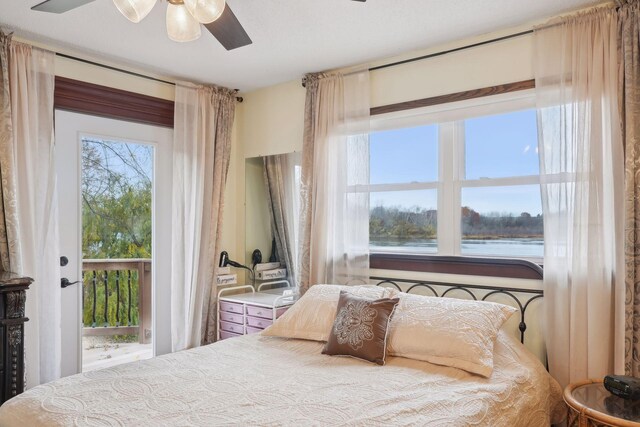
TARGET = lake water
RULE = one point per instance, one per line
(516, 248)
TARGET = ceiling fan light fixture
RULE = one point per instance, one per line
(181, 26)
(135, 10)
(205, 11)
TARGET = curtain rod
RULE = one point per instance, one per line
(444, 52)
(120, 70)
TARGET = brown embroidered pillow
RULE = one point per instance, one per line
(360, 328)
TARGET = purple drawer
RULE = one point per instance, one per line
(224, 335)
(280, 311)
(232, 327)
(251, 330)
(256, 311)
(231, 307)
(258, 322)
(231, 317)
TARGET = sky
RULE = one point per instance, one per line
(497, 146)
(143, 154)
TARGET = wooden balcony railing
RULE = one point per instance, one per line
(117, 298)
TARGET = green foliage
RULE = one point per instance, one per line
(116, 223)
(496, 225)
(116, 208)
(418, 223)
(398, 223)
(112, 319)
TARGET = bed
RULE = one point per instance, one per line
(267, 381)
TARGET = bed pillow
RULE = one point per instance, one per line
(360, 328)
(447, 331)
(311, 317)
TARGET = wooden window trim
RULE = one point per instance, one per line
(470, 266)
(454, 97)
(88, 98)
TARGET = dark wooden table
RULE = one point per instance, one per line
(13, 294)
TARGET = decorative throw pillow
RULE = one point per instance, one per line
(447, 331)
(360, 328)
(311, 317)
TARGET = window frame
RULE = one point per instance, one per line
(451, 180)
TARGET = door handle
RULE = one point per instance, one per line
(64, 282)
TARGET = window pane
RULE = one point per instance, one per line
(404, 155)
(403, 221)
(502, 145)
(502, 221)
(117, 212)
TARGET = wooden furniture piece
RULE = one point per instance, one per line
(13, 293)
(251, 312)
(591, 405)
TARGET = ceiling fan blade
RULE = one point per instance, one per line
(59, 6)
(228, 30)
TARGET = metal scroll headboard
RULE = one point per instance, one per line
(444, 288)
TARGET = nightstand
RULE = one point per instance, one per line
(251, 312)
(591, 405)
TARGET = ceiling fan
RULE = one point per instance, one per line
(183, 17)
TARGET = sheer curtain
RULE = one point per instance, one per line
(29, 200)
(201, 153)
(582, 174)
(279, 178)
(334, 229)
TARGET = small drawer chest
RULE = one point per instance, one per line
(250, 312)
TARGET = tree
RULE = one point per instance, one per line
(116, 218)
(117, 199)
(400, 223)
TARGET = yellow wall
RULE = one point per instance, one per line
(234, 192)
(272, 118)
(102, 76)
(489, 65)
(272, 123)
(257, 217)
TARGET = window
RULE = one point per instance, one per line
(404, 196)
(460, 182)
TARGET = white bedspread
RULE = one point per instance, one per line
(257, 381)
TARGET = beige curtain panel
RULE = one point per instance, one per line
(582, 178)
(29, 216)
(334, 205)
(201, 152)
(629, 48)
(9, 243)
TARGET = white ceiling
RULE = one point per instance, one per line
(290, 37)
